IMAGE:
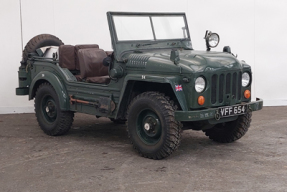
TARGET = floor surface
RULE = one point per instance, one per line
(96, 155)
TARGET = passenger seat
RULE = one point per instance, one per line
(79, 47)
(91, 65)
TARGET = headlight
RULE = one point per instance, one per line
(213, 40)
(245, 79)
(199, 84)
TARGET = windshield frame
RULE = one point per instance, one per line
(150, 15)
(122, 46)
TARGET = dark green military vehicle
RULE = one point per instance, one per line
(153, 80)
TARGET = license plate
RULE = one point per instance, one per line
(232, 110)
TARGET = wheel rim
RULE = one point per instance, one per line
(49, 108)
(148, 127)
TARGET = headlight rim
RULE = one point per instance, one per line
(195, 86)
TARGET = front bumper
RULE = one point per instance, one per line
(208, 114)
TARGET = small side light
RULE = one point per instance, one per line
(201, 100)
(247, 94)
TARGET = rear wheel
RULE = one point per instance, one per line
(230, 131)
(151, 125)
(52, 120)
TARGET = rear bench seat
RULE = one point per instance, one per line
(67, 57)
(88, 59)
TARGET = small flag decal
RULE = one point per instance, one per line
(178, 88)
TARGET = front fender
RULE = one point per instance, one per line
(57, 85)
(172, 80)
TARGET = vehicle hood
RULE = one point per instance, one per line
(190, 61)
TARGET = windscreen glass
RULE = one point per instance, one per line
(169, 27)
(131, 28)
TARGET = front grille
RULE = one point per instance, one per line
(213, 89)
(228, 83)
(221, 87)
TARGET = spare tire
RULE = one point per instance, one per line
(37, 42)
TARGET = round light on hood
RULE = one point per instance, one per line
(213, 40)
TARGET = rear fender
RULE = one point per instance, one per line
(46, 76)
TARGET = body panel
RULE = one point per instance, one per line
(55, 81)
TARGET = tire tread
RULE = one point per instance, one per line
(172, 141)
(64, 122)
(233, 132)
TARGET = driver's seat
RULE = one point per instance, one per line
(91, 65)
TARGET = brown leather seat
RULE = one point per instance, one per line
(67, 57)
(91, 65)
(79, 47)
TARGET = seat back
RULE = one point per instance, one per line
(79, 47)
(67, 57)
(91, 62)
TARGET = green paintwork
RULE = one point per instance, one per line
(49, 108)
(55, 81)
(22, 91)
(200, 115)
(171, 80)
(152, 134)
(192, 64)
(148, 67)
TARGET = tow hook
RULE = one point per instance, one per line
(217, 116)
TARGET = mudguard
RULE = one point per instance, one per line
(172, 80)
(57, 85)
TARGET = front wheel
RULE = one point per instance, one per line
(151, 125)
(52, 120)
(230, 131)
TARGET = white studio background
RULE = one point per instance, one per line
(254, 29)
